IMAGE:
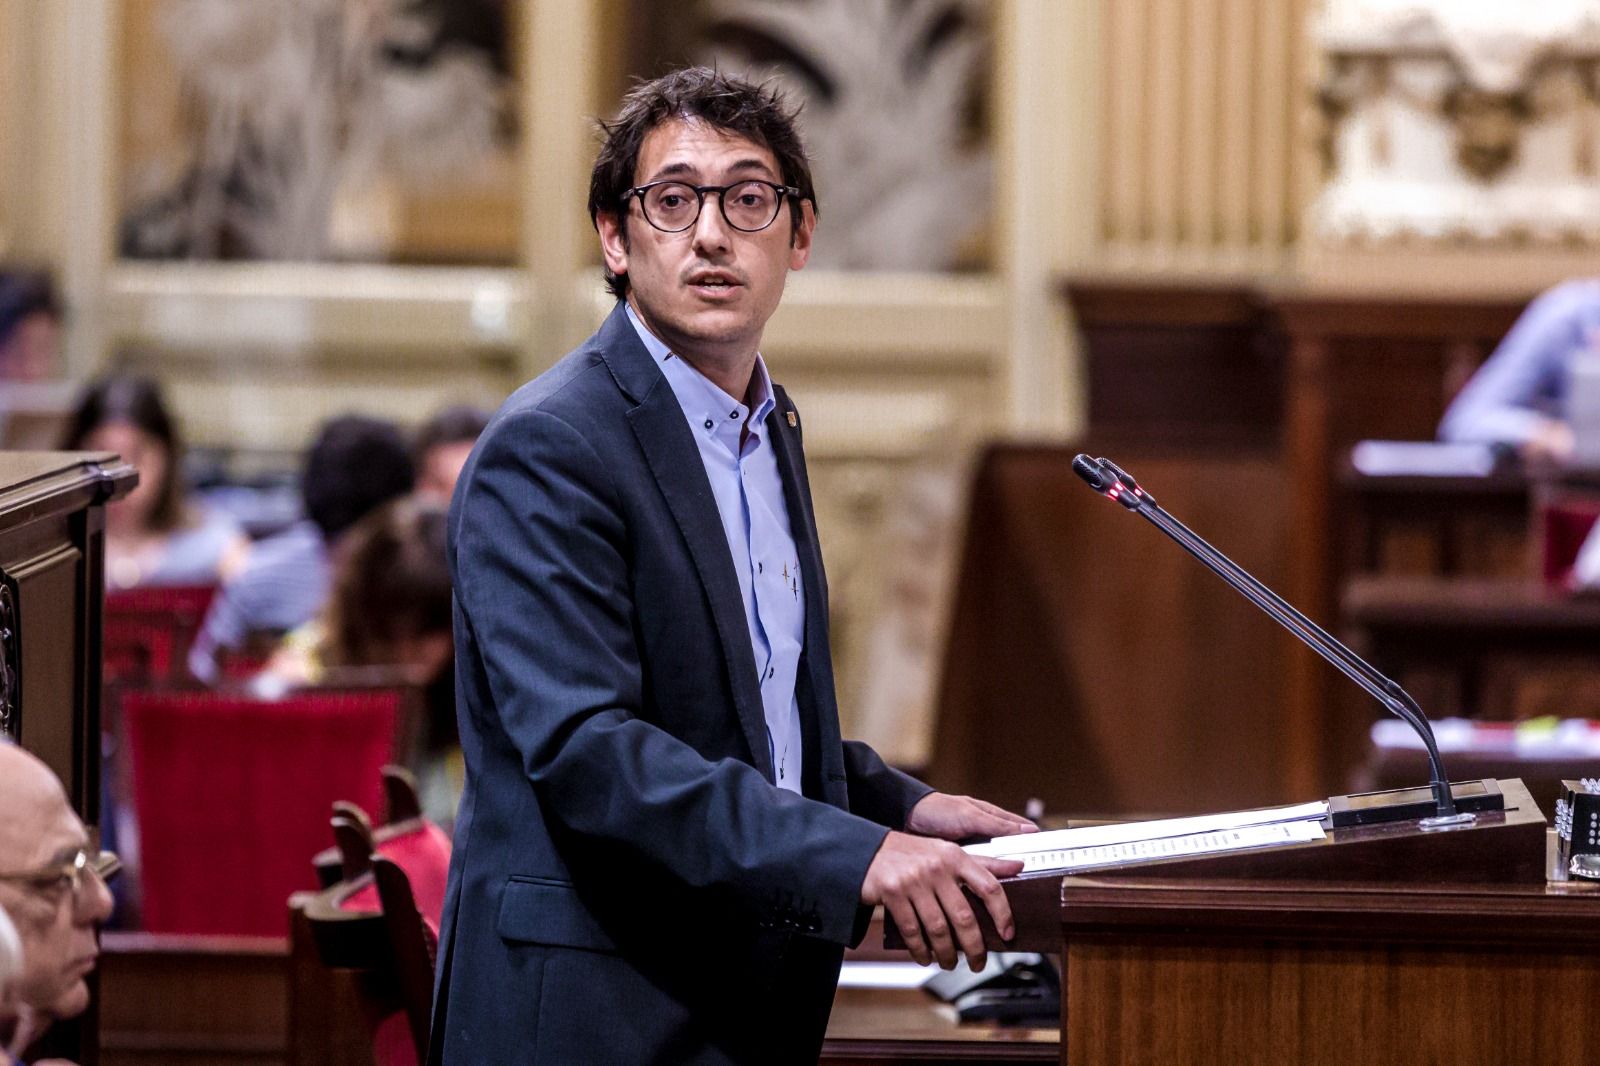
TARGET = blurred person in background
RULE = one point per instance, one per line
(30, 328)
(155, 535)
(34, 401)
(442, 445)
(355, 465)
(390, 607)
(53, 889)
(390, 601)
(1518, 397)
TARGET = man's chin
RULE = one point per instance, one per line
(71, 1003)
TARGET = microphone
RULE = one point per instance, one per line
(1111, 481)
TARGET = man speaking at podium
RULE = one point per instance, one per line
(663, 844)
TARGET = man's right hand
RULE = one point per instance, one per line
(919, 883)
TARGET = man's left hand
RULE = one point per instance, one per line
(960, 817)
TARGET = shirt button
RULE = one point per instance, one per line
(708, 423)
(771, 671)
(733, 414)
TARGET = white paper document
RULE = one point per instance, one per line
(1094, 857)
(885, 975)
(1422, 458)
(1022, 844)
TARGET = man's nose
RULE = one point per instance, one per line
(95, 903)
(711, 229)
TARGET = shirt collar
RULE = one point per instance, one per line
(708, 407)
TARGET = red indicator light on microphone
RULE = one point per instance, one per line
(1114, 491)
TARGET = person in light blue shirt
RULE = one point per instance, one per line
(356, 465)
(1517, 397)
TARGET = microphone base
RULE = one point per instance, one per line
(1413, 804)
(1447, 821)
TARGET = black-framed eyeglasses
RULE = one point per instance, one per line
(748, 206)
(62, 878)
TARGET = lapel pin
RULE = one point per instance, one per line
(793, 421)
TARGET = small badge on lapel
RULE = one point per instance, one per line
(793, 421)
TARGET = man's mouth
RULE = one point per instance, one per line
(714, 282)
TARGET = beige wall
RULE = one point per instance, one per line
(999, 336)
(1204, 159)
(1146, 137)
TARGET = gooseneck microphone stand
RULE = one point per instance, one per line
(1111, 481)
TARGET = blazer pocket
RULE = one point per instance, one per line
(539, 911)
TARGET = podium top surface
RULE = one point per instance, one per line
(35, 483)
(1397, 869)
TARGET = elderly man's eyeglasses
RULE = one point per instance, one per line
(674, 206)
(59, 879)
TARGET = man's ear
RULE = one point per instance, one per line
(613, 241)
(800, 241)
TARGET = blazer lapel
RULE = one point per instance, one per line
(659, 425)
(817, 660)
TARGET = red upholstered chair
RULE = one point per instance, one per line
(403, 809)
(231, 796)
(1564, 522)
(399, 882)
(148, 631)
(409, 865)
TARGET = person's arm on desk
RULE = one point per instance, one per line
(1514, 398)
(918, 876)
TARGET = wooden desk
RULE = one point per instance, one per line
(1475, 526)
(906, 1025)
(193, 1000)
(1491, 647)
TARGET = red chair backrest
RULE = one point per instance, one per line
(1565, 526)
(232, 794)
(148, 630)
(136, 652)
(423, 855)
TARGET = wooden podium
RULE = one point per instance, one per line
(1377, 944)
(51, 589)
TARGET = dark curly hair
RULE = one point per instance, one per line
(755, 112)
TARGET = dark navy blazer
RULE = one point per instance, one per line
(628, 885)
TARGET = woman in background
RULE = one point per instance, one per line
(389, 607)
(154, 535)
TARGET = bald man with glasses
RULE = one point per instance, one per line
(53, 888)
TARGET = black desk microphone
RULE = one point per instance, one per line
(1111, 481)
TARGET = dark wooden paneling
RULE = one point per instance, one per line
(1359, 367)
(1289, 379)
(1180, 365)
(193, 1001)
(1282, 1001)
(909, 1027)
(51, 548)
(1092, 662)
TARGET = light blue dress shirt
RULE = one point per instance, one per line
(749, 492)
(1524, 383)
